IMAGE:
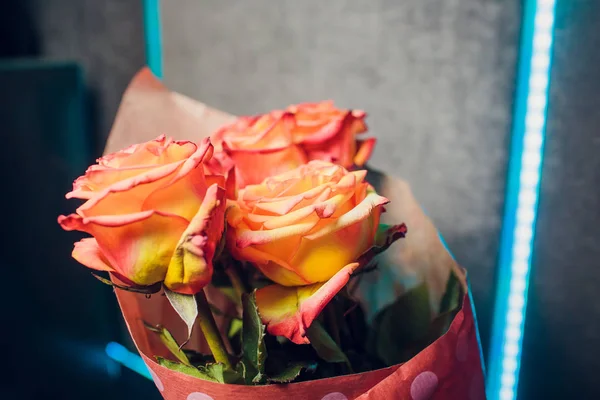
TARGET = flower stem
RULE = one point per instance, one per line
(236, 281)
(210, 331)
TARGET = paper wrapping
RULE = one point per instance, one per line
(449, 368)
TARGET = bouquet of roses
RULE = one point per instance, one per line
(252, 258)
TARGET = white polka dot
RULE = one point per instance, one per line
(423, 386)
(334, 396)
(462, 347)
(199, 396)
(156, 380)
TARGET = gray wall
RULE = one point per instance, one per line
(436, 77)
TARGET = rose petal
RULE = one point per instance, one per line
(137, 246)
(308, 180)
(273, 222)
(127, 163)
(339, 145)
(278, 205)
(183, 197)
(191, 266)
(264, 132)
(319, 260)
(322, 209)
(160, 151)
(321, 134)
(271, 264)
(88, 253)
(358, 213)
(283, 276)
(128, 196)
(99, 178)
(365, 150)
(319, 123)
(289, 311)
(249, 237)
(254, 166)
(276, 132)
(203, 152)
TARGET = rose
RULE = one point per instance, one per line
(328, 133)
(154, 215)
(303, 226)
(265, 145)
(306, 230)
(258, 147)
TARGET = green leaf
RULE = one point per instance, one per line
(234, 328)
(217, 371)
(288, 374)
(240, 368)
(185, 305)
(452, 295)
(324, 345)
(449, 306)
(234, 333)
(224, 375)
(401, 330)
(253, 344)
(186, 369)
(209, 372)
(170, 342)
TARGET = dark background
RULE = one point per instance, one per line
(438, 80)
(63, 68)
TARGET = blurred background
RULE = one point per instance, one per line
(440, 82)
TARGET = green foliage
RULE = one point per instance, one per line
(287, 374)
(185, 306)
(253, 344)
(327, 349)
(407, 326)
(215, 372)
(169, 341)
(341, 341)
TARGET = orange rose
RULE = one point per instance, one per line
(305, 230)
(153, 213)
(328, 133)
(259, 147)
(265, 145)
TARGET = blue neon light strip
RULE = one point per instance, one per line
(130, 360)
(153, 36)
(524, 172)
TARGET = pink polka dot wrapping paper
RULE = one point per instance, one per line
(450, 368)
